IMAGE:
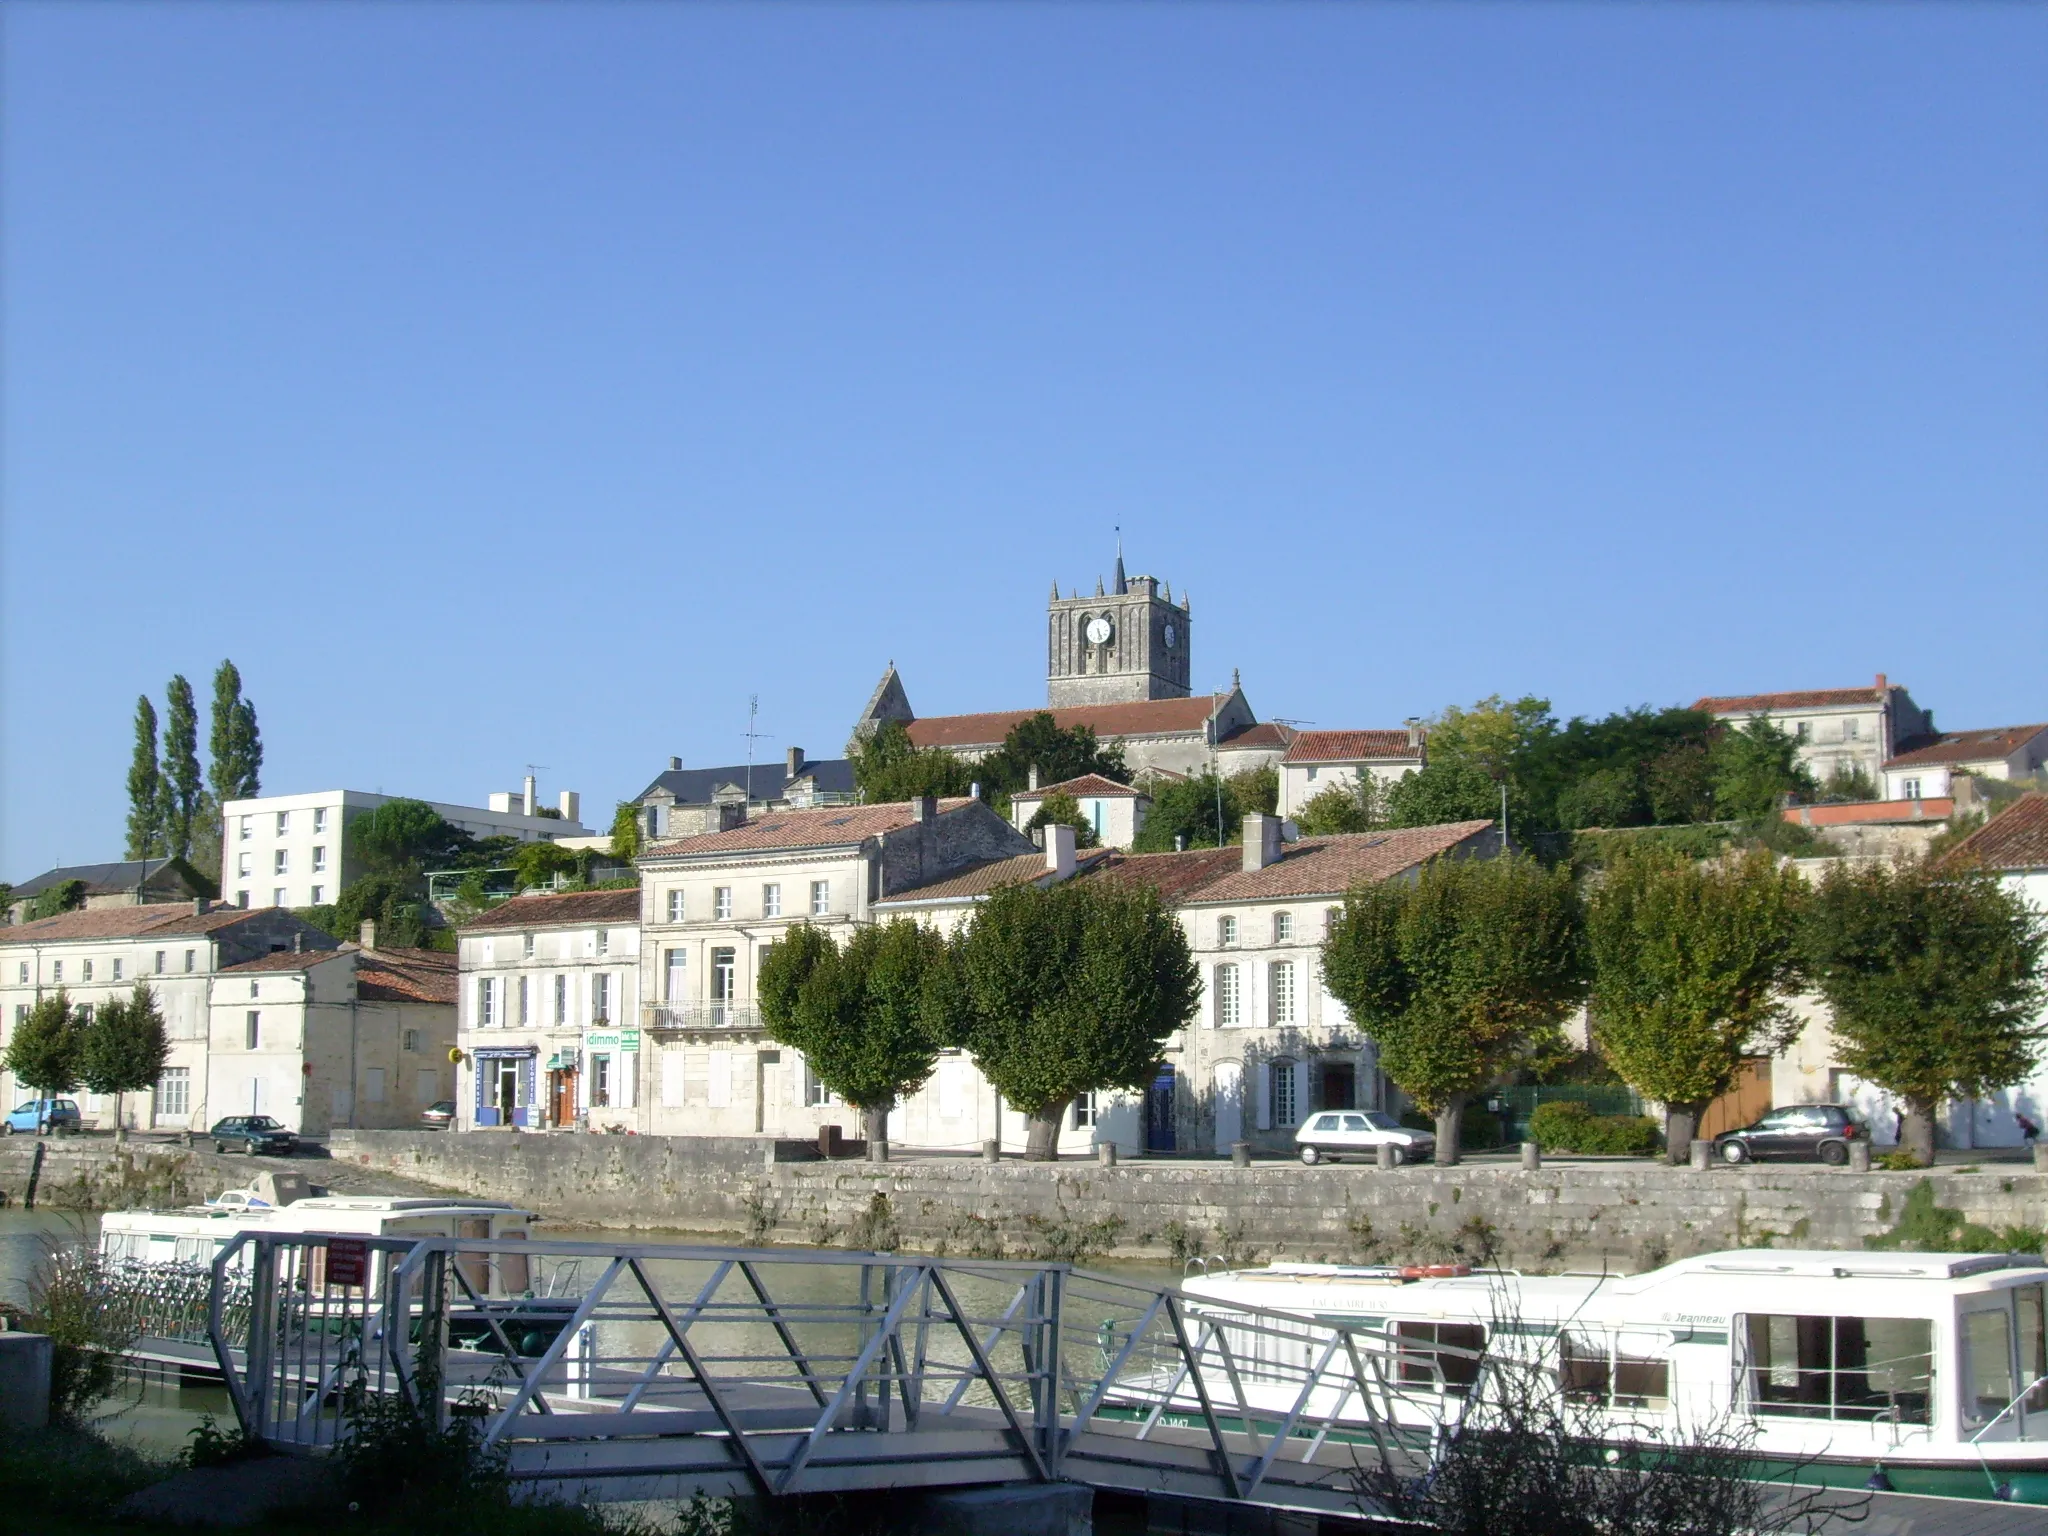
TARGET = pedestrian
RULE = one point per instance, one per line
(1899, 1127)
(2029, 1127)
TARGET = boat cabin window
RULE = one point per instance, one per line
(1426, 1358)
(2033, 1347)
(1611, 1373)
(1988, 1385)
(1837, 1367)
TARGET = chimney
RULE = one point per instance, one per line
(974, 790)
(1880, 685)
(526, 797)
(731, 814)
(1031, 777)
(1180, 842)
(923, 808)
(1414, 733)
(675, 765)
(1261, 841)
(200, 905)
(298, 943)
(1059, 849)
(571, 805)
(501, 801)
(368, 936)
(794, 761)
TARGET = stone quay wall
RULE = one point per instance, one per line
(1621, 1214)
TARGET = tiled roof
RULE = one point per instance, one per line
(408, 975)
(1771, 703)
(2016, 838)
(1348, 746)
(171, 920)
(829, 827)
(1862, 812)
(1144, 717)
(983, 878)
(1176, 876)
(560, 909)
(1315, 866)
(125, 875)
(1267, 733)
(1088, 784)
(286, 960)
(1993, 745)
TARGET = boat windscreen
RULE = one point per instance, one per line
(1864, 1368)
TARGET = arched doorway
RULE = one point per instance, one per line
(1159, 1111)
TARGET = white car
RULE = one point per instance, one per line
(1339, 1133)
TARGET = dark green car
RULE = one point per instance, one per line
(253, 1134)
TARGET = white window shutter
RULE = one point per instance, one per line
(1264, 1093)
(1301, 1104)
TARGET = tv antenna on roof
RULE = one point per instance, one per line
(752, 735)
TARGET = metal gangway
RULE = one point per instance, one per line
(624, 1371)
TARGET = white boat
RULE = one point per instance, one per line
(1927, 1373)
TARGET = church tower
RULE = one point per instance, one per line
(1117, 647)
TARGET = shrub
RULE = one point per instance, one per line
(1558, 1125)
(68, 1301)
(1568, 1126)
(1478, 1131)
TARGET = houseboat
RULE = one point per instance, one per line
(1923, 1373)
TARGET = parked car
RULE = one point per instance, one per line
(1793, 1131)
(438, 1117)
(41, 1114)
(1360, 1133)
(254, 1134)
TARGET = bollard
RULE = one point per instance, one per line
(1388, 1156)
(2041, 1157)
(1105, 1153)
(1702, 1154)
(878, 1151)
(1240, 1154)
(991, 1151)
(1859, 1155)
(1532, 1156)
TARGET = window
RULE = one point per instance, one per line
(604, 941)
(525, 991)
(319, 819)
(1330, 916)
(2033, 1347)
(526, 946)
(485, 1014)
(1440, 1355)
(20, 1013)
(821, 897)
(191, 959)
(373, 1085)
(724, 979)
(816, 1094)
(319, 894)
(1226, 932)
(57, 970)
(412, 1041)
(277, 897)
(600, 998)
(159, 964)
(242, 900)
(1866, 1368)
(721, 901)
(1280, 1091)
(281, 862)
(771, 900)
(1608, 1373)
(675, 906)
(319, 858)
(284, 822)
(83, 1012)
(1311, 773)
(1802, 729)
(117, 970)
(86, 967)
(1084, 1110)
(562, 999)
(1227, 1012)
(1280, 992)
(255, 990)
(174, 1091)
(600, 1081)
(1283, 927)
(243, 867)
(23, 977)
(252, 1029)
(244, 830)
(1851, 728)
(1909, 789)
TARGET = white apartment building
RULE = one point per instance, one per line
(1858, 729)
(550, 1028)
(1315, 760)
(265, 1014)
(292, 850)
(1928, 769)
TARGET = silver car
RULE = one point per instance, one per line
(1339, 1133)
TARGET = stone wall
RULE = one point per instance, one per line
(1625, 1215)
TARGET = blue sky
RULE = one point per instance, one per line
(533, 383)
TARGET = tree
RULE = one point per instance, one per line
(180, 786)
(43, 1055)
(1754, 768)
(626, 831)
(1934, 978)
(1691, 964)
(1359, 806)
(870, 1019)
(406, 837)
(145, 805)
(124, 1049)
(537, 864)
(63, 896)
(886, 767)
(1459, 976)
(1057, 752)
(1443, 789)
(1064, 810)
(1681, 784)
(1069, 989)
(1205, 811)
(236, 745)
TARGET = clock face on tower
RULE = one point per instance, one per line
(1172, 635)
(1099, 630)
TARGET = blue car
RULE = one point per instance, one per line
(40, 1114)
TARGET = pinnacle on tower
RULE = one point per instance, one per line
(1120, 587)
(1055, 591)
(1166, 590)
(1098, 586)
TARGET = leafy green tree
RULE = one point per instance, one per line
(124, 1050)
(180, 786)
(1934, 976)
(1848, 781)
(886, 767)
(1692, 964)
(1069, 989)
(1058, 753)
(391, 901)
(1754, 768)
(145, 804)
(869, 1018)
(1063, 809)
(1680, 784)
(1460, 976)
(1359, 806)
(235, 743)
(406, 837)
(1444, 789)
(43, 1053)
(63, 896)
(1205, 811)
(537, 864)
(626, 830)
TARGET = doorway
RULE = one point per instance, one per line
(1340, 1085)
(562, 1096)
(1743, 1104)
(1159, 1111)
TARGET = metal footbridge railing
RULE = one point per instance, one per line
(625, 1371)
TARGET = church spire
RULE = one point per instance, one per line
(1098, 586)
(1120, 588)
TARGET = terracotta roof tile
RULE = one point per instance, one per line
(1996, 744)
(561, 908)
(407, 975)
(2016, 838)
(1771, 703)
(286, 960)
(1143, 717)
(1315, 866)
(171, 919)
(1174, 875)
(983, 878)
(1349, 746)
(828, 827)
(1267, 733)
(1088, 784)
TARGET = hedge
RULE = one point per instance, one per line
(1566, 1126)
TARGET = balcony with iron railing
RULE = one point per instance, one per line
(710, 1016)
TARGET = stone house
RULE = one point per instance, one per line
(1316, 760)
(1857, 729)
(1115, 812)
(1928, 768)
(125, 883)
(686, 802)
(549, 1023)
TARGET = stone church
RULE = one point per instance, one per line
(1120, 661)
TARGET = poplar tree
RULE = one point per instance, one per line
(145, 807)
(180, 787)
(236, 746)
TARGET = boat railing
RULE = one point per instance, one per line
(2001, 1490)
